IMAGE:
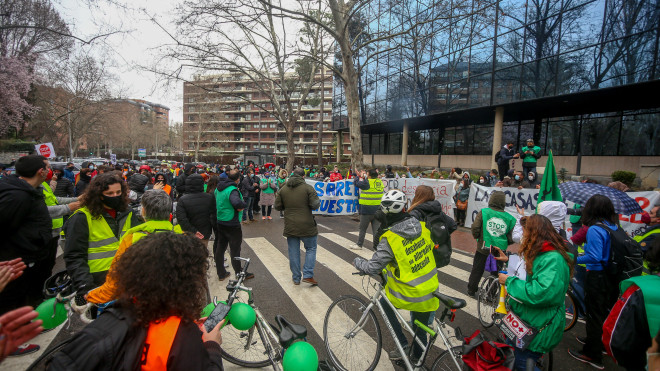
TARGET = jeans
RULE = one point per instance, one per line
(294, 256)
(248, 209)
(528, 168)
(365, 220)
(423, 317)
(522, 356)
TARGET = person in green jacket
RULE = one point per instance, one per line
(539, 300)
(281, 181)
(530, 154)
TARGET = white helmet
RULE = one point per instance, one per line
(393, 201)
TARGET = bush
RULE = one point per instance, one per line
(16, 146)
(562, 174)
(625, 177)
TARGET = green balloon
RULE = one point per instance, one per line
(52, 312)
(300, 356)
(241, 316)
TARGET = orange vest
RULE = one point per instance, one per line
(160, 337)
(167, 189)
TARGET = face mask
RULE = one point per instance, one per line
(112, 202)
(482, 181)
(517, 177)
(70, 168)
(530, 177)
(91, 168)
(50, 175)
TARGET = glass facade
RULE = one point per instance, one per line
(456, 55)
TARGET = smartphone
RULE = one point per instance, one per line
(494, 252)
(218, 314)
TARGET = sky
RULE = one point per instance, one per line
(129, 50)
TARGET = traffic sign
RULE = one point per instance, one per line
(142, 152)
(45, 149)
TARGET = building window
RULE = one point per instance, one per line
(191, 100)
(191, 118)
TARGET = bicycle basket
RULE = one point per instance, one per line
(59, 283)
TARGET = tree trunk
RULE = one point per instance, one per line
(289, 128)
(350, 77)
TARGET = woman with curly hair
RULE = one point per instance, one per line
(93, 231)
(161, 291)
(539, 300)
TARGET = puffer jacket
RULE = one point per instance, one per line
(195, 210)
(539, 300)
(64, 188)
(297, 199)
(439, 223)
(497, 202)
(137, 183)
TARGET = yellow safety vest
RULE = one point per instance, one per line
(373, 195)
(152, 226)
(412, 284)
(51, 200)
(103, 244)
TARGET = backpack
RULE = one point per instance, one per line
(498, 156)
(110, 342)
(626, 258)
(441, 226)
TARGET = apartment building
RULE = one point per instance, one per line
(229, 114)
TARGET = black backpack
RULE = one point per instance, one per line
(498, 156)
(626, 258)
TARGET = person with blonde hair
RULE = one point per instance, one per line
(425, 208)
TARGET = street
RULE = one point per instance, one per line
(275, 293)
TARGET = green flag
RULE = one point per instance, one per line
(549, 190)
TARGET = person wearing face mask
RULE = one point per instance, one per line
(506, 154)
(268, 187)
(483, 182)
(83, 181)
(519, 180)
(68, 172)
(532, 180)
(93, 231)
(92, 170)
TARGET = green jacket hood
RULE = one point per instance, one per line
(295, 180)
(497, 201)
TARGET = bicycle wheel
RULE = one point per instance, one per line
(488, 297)
(245, 348)
(444, 362)
(572, 312)
(42, 362)
(357, 350)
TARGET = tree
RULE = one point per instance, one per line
(15, 81)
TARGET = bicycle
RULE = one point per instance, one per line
(488, 297)
(242, 348)
(575, 305)
(351, 329)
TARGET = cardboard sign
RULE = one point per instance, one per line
(45, 149)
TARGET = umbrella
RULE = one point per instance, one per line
(269, 165)
(580, 192)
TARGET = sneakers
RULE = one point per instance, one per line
(471, 293)
(311, 281)
(395, 355)
(270, 218)
(249, 276)
(24, 349)
(222, 278)
(583, 340)
(296, 283)
(281, 216)
(263, 218)
(355, 246)
(588, 360)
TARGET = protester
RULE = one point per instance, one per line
(406, 288)
(539, 299)
(493, 177)
(530, 154)
(506, 154)
(491, 227)
(457, 174)
(94, 230)
(268, 188)
(425, 208)
(195, 210)
(229, 205)
(281, 181)
(297, 199)
(156, 207)
(519, 180)
(533, 181)
(25, 226)
(181, 178)
(601, 289)
(63, 186)
(371, 191)
(68, 172)
(137, 184)
(83, 181)
(163, 312)
(462, 197)
(484, 181)
(335, 175)
(389, 174)
(162, 182)
(249, 184)
(555, 211)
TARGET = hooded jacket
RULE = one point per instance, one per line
(439, 223)
(297, 199)
(181, 180)
(195, 210)
(497, 202)
(137, 183)
(83, 182)
(247, 185)
(24, 221)
(235, 202)
(553, 210)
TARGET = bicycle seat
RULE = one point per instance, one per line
(450, 301)
(289, 332)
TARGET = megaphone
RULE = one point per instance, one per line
(501, 308)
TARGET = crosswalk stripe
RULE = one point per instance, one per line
(345, 243)
(455, 255)
(312, 302)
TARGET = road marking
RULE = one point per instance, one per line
(321, 225)
(312, 302)
(344, 242)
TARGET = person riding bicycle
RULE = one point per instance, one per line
(156, 206)
(405, 253)
(539, 300)
(161, 290)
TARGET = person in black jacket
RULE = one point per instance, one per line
(195, 210)
(181, 179)
(506, 154)
(161, 287)
(137, 184)
(64, 187)
(84, 178)
(425, 208)
(228, 211)
(249, 185)
(25, 226)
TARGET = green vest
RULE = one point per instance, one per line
(412, 284)
(496, 226)
(268, 190)
(373, 195)
(223, 207)
(281, 182)
(152, 226)
(536, 150)
(650, 286)
(51, 200)
(103, 244)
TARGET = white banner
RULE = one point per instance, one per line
(45, 149)
(527, 199)
(341, 198)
